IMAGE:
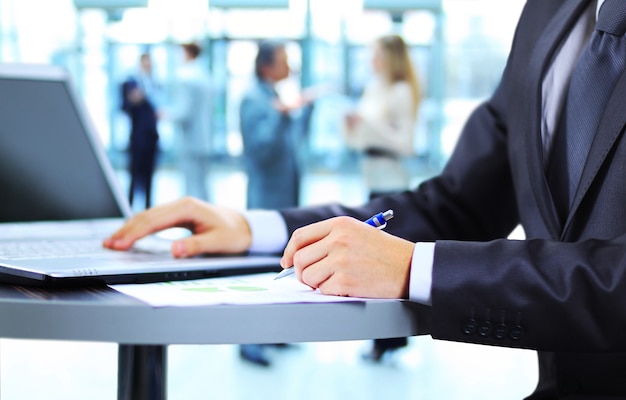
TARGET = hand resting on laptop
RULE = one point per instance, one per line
(215, 229)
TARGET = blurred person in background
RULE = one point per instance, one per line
(271, 132)
(191, 113)
(139, 100)
(382, 128)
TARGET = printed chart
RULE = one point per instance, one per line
(245, 289)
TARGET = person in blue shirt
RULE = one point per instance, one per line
(271, 132)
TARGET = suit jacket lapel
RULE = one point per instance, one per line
(610, 128)
(551, 38)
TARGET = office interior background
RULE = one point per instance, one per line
(459, 48)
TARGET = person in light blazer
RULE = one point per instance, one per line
(382, 128)
(383, 125)
(561, 291)
(191, 113)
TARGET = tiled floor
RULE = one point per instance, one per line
(426, 369)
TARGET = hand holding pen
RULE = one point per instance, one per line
(343, 256)
(377, 221)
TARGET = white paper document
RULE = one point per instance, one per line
(244, 289)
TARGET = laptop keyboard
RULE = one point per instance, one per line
(28, 250)
(25, 250)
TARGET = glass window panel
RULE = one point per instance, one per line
(418, 27)
(240, 57)
(263, 24)
(367, 26)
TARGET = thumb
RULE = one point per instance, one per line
(190, 246)
(211, 242)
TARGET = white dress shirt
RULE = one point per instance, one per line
(553, 96)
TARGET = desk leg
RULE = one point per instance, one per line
(142, 372)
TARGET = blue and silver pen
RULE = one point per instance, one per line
(377, 221)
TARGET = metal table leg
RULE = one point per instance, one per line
(142, 372)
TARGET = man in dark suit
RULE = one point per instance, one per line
(138, 102)
(562, 291)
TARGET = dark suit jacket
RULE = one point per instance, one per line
(142, 116)
(563, 290)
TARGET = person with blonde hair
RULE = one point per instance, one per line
(382, 129)
(383, 124)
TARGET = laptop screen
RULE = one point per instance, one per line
(51, 165)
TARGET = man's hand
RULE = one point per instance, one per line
(215, 229)
(352, 120)
(136, 96)
(345, 257)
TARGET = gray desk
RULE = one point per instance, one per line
(143, 332)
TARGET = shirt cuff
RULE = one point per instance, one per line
(421, 277)
(269, 231)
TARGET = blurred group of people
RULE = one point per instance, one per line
(381, 128)
(190, 110)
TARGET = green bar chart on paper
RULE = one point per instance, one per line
(209, 287)
(245, 289)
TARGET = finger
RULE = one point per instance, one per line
(210, 242)
(315, 274)
(335, 278)
(135, 228)
(327, 263)
(189, 247)
(303, 237)
(336, 286)
(178, 213)
(310, 255)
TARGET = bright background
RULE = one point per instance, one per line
(459, 48)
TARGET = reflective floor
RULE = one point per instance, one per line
(426, 369)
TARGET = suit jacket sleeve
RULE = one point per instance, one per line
(472, 199)
(538, 293)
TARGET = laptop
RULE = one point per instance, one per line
(59, 196)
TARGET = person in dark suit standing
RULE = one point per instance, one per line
(138, 102)
(546, 151)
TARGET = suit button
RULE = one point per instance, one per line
(517, 332)
(485, 328)
(500, 331)
(469, 326)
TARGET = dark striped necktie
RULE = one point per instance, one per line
(600, 65)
